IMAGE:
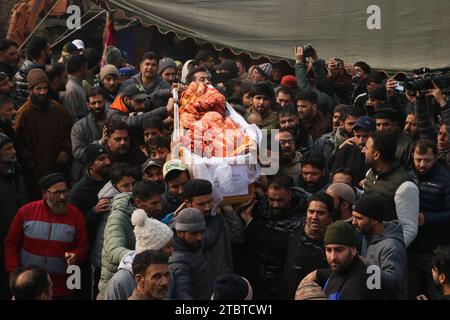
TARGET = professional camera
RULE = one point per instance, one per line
(425, 77)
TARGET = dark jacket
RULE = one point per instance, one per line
(269, 236)
(434, 193)
(83, 195)
(388, 252)
(10, 71)
(318, 125)
(42, 133)
(12, 197)
(191, 272)
(347, 285)
(157, 84)
(350, 156)
(304, 255)
(20, 82)
(119, 112)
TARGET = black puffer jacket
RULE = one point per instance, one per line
(269, 237)
(21, 83)
(434, 202)
(191, 272)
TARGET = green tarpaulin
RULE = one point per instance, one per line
(412, 33)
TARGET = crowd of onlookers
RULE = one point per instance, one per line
(88, 179)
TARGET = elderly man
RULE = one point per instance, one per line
(53, 224)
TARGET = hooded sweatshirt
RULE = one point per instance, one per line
(388, 252)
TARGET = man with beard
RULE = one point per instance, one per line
(314, 120)
(153, 170)
(39, 55)
(9, 57)
(346, 277)
(288, 119)
(84, 196)
(74, 99)
(385, 246)
(312, 173)
(109, 81)
(43, 132)
(88, 130)
(289, 158)
(52, 224)
(121, 147)
(306, 250)
(433, 180)
(343, 197)
(388, 179)
(441, 269)
(262, 98)
(129, 108)
(57, 76)
(222, 229)
(410, 128)
(7, 88)
(387, 120)
(351, 154)
(12, 197)
(176, 175)
(7, 115)
(119, 238)
(187, 262)
(269, 226)
(167, 70)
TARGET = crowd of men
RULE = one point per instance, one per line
(359, 208)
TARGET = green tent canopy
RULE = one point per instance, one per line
(411, 33)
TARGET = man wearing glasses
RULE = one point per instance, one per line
(289, 158)
(48, 233)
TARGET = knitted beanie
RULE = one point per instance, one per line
(190, 220)
(35, 76)
(341, 233)
(108, 69)
(150, 233)
(165, 63)
(265, 69)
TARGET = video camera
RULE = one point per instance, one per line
(424, 78)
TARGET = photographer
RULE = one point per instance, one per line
(341, 80)
(425, 126)
(325, 94)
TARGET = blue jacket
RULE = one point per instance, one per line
(434, 195)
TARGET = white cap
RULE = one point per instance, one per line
(150, 233)
(78, 43)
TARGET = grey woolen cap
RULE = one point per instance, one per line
(190, 220)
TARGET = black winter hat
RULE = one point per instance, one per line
(92, 152)
(197, 187)
(50, 180)
(370, 206)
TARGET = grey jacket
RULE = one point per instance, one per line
(388, 252)
(122, 284)
(107, 192)
(84, 132)
(119, 238)
(74, 99)
(191, 272)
